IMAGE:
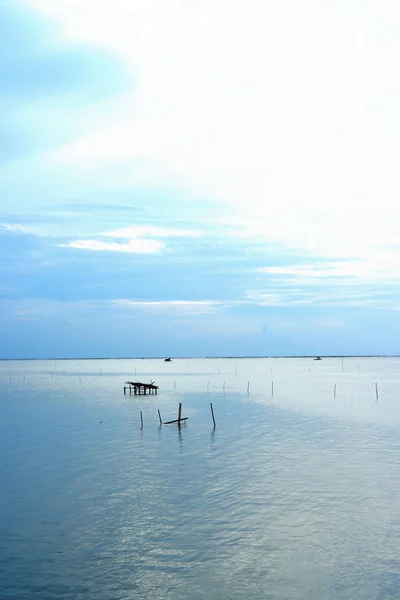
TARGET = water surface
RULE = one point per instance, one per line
(294, 495)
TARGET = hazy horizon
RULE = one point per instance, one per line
(310, 356)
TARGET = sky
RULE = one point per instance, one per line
(199, 178)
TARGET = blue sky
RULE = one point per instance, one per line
(199, 178)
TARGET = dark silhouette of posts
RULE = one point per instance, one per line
(140, 388)
(179, 419)
(159, 416)
(212, 414)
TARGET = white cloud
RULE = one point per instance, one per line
(17, 228)
(372, 283)
(371, 299)
(284, 111)
(141, 246)
(165, 303)
(149, 230)
(381, 267)
(184, 307)
(19, 318)
(139, 239)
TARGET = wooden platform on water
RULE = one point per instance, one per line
(138, 388)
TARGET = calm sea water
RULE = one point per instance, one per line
(294, 495)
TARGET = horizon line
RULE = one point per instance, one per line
(240, 357)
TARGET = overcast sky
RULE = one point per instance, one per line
(199, 177)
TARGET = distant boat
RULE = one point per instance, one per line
(317, 358)
(167, 360)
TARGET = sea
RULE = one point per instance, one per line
(294, 494)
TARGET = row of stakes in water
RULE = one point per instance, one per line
(178, 420)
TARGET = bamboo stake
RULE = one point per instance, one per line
(212, 414)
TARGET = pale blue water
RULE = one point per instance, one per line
(294, 495)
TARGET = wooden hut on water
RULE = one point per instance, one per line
(138, 388)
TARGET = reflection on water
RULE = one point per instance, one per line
(294, 495)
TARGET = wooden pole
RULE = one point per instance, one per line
(208, 385)
(174, 384)
(212, 414)
(334, 391)
(141, 420)
(179, 419)
(159, 416)
(272, 388)
(248, 386)
(376, 391)
(224, 386)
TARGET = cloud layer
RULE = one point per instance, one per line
(224, 173)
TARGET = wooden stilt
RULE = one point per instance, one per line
(137, 388)
(179, 419)
(212, 414)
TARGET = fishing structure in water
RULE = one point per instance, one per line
(139, 388)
